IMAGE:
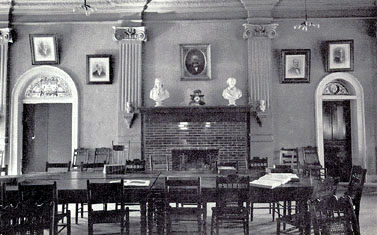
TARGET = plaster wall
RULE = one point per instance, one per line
(98, 103)
(162, 60)
(292, 104)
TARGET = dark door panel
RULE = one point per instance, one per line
(337, 138)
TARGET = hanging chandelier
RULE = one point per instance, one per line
(304, 26)
(88, 10)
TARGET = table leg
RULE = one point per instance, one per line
(150, 216)
(303, 209)
(143, 217)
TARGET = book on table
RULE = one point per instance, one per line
(274, 180)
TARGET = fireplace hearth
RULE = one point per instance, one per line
(194, 159)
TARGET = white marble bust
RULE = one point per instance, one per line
(261, 106)
(158, 93)
(232, 93)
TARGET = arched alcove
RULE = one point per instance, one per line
(356, 97)
(42, 84)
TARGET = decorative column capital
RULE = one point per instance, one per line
(130, 33)
(6, 35)
(260, 30)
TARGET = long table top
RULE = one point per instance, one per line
(72, 185)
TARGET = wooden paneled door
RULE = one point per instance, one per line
(47, 135)
(337, 138)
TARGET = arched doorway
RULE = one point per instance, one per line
(355, 97)
(39, 85)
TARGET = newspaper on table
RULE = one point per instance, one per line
(133, 182)
(273, 180)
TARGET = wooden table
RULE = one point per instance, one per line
(72, 187)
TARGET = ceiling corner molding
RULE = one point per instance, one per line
(259, 10)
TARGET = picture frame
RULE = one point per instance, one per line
(98, 69)
(195, 62)
(295, 66)
(339, 56)
(44, 49)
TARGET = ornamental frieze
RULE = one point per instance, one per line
(48, 87)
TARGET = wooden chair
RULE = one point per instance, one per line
(185, 192)
(58, 166)
(311, 165)
(355, 187)
(99, 193)
(159, 163)
(260, 165)
(80, 156)
(135, 165)
(322, 189)
(102, 155)
(232, 193)
(64, 167)
(121, 153)
(334, 216)
(281, 208)
(289, 157)
(38, 209)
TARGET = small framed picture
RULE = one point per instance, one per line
(44, 49)
(98, 69)
(295, 66)
(195, 62)
(339, 56)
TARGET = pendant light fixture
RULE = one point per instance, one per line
(306, 24)
(88, 10)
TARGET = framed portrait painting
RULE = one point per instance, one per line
(339, 56)
(195, 61)
(98, 69)
(295, 66)
(44, 49)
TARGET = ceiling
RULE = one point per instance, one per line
(108, 10)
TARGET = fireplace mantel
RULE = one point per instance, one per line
(203, 109)
(196, 109)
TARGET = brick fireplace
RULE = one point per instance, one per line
(193, 138)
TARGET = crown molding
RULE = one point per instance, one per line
(23, 11)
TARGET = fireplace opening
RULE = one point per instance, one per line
(194, 159)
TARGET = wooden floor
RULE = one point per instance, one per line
(262, 223)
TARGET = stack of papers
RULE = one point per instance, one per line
(273, 180)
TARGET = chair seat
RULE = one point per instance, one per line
(230, 213)
(109, 216)
(184, 210)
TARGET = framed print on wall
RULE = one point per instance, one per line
(295, 66)
(44, 49)
(98, 69)
(339, 56)
(195, 61)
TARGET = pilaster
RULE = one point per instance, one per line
(259, 37)
(5, 39)
(130, 52)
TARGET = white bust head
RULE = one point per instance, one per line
(158, 92)
(231, 82)
(232, 93)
